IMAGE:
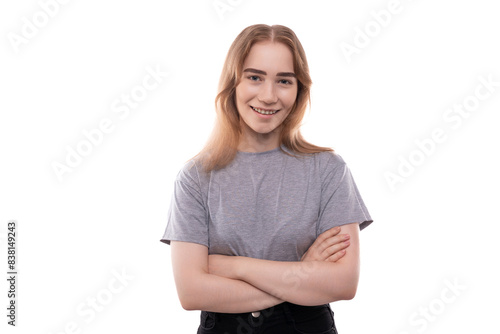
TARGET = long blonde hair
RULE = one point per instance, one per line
(221, 147)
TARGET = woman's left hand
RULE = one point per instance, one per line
(329, 246)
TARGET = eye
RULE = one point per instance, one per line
(253, 78)
(285, 82)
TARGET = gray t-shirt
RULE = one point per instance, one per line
(265, 205)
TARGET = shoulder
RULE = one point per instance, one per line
(329, 162)
(330, 158)
(323, 162)
(191, 173)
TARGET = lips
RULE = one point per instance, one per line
(265, 111)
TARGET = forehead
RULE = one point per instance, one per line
(271, 57)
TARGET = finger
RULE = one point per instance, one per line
(322, 242)
(327, 234)
(337, 256)
(335, 248)
(337, 239)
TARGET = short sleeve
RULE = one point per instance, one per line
(341, 202)
(187, 216)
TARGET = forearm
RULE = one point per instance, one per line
(220, 294)
(308, 282)
(303, 283)
(199, 289)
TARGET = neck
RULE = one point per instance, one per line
(251, 141)
(256, 147)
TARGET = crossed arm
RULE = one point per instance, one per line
(233, 284)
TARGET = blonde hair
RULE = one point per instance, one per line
(221, 147)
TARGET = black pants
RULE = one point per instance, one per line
(285, 318)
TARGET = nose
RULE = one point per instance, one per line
(267, 93)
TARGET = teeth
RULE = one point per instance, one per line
(265, 112)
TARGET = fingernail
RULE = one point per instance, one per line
(346, 236)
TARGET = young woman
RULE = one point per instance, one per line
(264, 226)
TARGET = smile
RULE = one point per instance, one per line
(265, 112)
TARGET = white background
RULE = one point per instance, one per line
(107, 215)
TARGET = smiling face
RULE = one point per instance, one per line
(265, 95)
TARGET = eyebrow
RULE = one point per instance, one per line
(280, 74)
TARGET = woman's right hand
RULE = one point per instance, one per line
(329, 246)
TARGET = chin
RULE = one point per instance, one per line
(265, 131)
